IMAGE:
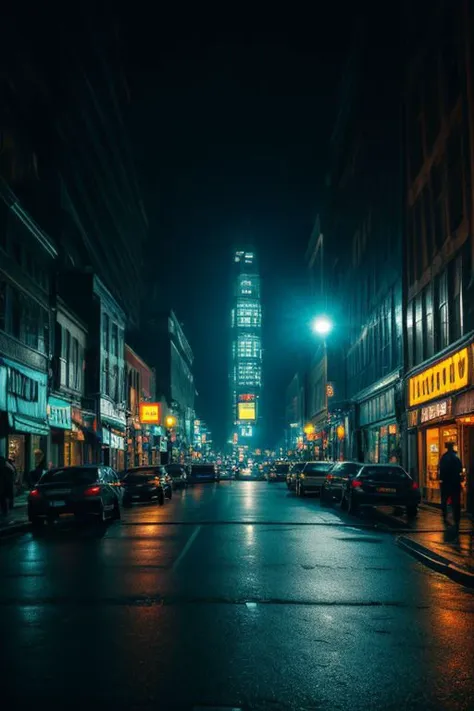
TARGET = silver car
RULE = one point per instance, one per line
(312, 477)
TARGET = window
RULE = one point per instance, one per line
(3, 304)
(410, 342)
(418, 330)
(428, 321)
(443, 311)
(15, 323)
(105, 331)
(456, 301)
(114, 342)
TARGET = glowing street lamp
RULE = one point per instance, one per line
(170, 421)
(322, 325)
(309, 429)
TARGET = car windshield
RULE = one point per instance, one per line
(71, 475)
(299, 466)
(282, 468)
(139, 477)
(318, 467)
(347, 467)
(383, 474)
(204, 469)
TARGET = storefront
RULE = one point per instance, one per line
(444, 419)
(60, 422)
(24, 428)
(379, 431)
(113, 431)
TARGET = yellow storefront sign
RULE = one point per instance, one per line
(150, 413)
(447, 376)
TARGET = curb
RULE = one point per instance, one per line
(15, 528)
(436, 562)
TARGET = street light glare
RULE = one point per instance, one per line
(322, 325)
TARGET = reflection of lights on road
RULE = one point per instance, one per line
(249, 502)
(250, 532)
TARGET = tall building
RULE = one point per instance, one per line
(246, 359)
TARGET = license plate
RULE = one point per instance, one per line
(58, 492)
(384, 490)
(135, 497)
(57, 504)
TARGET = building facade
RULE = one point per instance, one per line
(71, 429)
(439, 248)
(246, 354)
(144, 413)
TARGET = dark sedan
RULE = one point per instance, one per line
(337, 479)
(157, 470)
(179, 475)
(142, 486)
(92, 491)
(278, 472)
(204, 472)
(381, 484)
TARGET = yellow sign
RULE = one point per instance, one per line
(246, 410)
(445, 377)
(308, 429)
(340, 431)
(150, 413)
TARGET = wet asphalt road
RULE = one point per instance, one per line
(227, 597)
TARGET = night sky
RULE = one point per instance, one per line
(230, 127)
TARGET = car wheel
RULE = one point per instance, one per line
(37, 521)
(412, 511)
(352, 507)
(102, 514)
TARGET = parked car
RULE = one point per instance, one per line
(204, 472)
(142, 486)
(278, 472)
(154, 470)
(336, 481)
(381, 484)
(178, 474)
(87, 492)
(311, 478)
(295, 468)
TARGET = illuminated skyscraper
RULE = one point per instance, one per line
(246, 359)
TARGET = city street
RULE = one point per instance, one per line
(231, 595)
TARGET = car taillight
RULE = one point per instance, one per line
(35, 493)
(92, 491)
(356, 483)
(414, 485)
(328, 477)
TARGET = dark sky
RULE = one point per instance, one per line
(231, 126)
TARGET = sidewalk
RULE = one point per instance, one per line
(427, 541)
(17, 520)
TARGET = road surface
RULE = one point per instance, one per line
(232, 595)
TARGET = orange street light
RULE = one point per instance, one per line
(308, 429)
(170, 421)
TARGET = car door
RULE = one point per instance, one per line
(117, 488)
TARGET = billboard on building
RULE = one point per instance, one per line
(246, 411)
(150, 413)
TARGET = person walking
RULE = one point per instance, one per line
(7, 477)
(450, 475)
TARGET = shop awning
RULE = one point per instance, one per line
(29, 425)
